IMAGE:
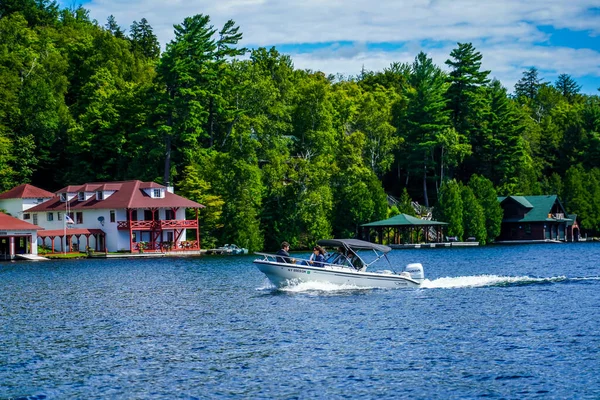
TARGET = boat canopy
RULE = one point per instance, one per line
(354, 244)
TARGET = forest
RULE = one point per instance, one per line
(278, 153)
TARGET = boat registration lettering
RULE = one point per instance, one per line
(298, 270)
(401, 283)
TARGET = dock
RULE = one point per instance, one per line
(432, 245)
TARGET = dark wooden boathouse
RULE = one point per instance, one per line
(536, 218)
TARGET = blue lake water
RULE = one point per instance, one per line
(499, 322)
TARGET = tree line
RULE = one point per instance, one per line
(278, 153)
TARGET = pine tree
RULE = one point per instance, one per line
(473, 216)
(486, 196)
(425, 119)
(143, 40)
(529, 85)
(450, 208)
(567, 86)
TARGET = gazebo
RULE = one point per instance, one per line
(402, 229)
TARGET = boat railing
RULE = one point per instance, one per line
(293, 260)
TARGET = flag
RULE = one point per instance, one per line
(68, 219)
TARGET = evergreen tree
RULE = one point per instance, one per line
(473, 216)
(529, 85)
(143, 39)
(405, 204)
(113, 27)
(426, 118)
(450, 209)
(486, 196)
(567, 86)
(577, 198)
(506, 157)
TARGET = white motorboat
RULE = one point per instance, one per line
(347, 265)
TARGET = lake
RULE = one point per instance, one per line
(498, 322)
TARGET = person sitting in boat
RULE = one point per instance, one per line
(317, 258)
(284, 256)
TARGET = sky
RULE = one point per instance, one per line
(345, 36)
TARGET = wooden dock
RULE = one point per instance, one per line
(432, 245)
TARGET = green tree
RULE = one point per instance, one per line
(193, 187)
(143, 39)
(486, 196)
(426, 118)
(567, 86)
(113, 27)
(450, 209)
(405, 204)
(529, 85)
(473, 216)
(577, 198)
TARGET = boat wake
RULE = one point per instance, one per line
(299, 287)
(487, 280)
(439, 283)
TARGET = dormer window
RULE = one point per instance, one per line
(81, 196)
(99, 195)
(157, 193)
(63, 197)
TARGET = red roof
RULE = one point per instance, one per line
(26, 191)
(8, 223)
(128, 194)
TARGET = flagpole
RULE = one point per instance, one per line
(65, 222)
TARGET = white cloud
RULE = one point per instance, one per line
(504, 31)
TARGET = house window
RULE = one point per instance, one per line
(169, 215)
(50, 216)
(150, 215)
(81, 196)
(35, 221)
(40, 200)
(99, 195)
(79, 217)
(528, 229)
(113, 216)
(63, 197)
(26, 216)
(157, 193)
(59, 216)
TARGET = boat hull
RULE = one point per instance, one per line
(282, 274)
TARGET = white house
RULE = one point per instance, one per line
(21, 198)
(116, 216)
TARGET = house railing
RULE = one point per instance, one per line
(157, 225)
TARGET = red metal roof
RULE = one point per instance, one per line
(8, 223)
(128, 194)
(61, 232)
(26, 191)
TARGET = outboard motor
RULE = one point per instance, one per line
(416, 272)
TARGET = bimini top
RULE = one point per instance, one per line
(353, 244)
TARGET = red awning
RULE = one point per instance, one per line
(70, 232)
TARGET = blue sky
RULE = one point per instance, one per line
(343, 36)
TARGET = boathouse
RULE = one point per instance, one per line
(404, 229)
(16, 237)
(536, 218)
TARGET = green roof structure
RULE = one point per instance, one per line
(540, 208)
(404, 220)
(403, 229)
